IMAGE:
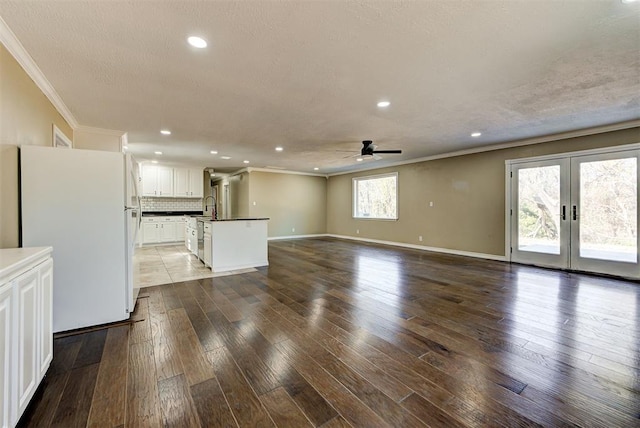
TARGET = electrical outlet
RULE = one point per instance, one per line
(293, 229)
(430, 203)
(357, 231)
(420, 238)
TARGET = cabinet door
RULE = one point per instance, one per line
(180, 230)
(167, 231)
(150, 233)
(45, 317)
(165, 181)
(207, 250)
(5, 352)
(27, 308)
(196, 185)
(181, 182)
(149, 180)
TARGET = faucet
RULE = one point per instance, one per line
(214, 212)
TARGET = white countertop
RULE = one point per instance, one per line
(14, 260)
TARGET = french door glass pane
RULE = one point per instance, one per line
(609, 210)
(539, 209)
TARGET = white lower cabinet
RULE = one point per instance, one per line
(180, 226)
(27, 308)
(5, 354)
(162, 229)
(207, 244)
(26, 335)
(150, 232)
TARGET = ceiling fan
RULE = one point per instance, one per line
(370, 149)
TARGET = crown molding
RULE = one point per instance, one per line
(519, 143)
(15, 48)
(101, 131)
(250, 169)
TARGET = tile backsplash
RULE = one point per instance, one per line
(171, 204)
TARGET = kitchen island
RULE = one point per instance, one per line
(233, 244)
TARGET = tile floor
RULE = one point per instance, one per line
(170, 263)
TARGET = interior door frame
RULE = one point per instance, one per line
(508, 181)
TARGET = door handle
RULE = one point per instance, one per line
(564, 212)
(575, 213)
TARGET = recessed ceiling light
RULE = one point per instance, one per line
(225, 157)
(279, 149)
(154, 161)
(359, 159)
(245, 161)
(158, 153)
(165, 132)
(384, 104)
(213, 152)
(476, 134)
(197, 42)
(316, 168)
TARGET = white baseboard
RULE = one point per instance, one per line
(424, 248)
(398, 244)
(277, 238)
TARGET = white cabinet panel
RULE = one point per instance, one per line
(162, 229)
(181, 182)
(26, 326)
(180, 226)
(45, 323)
(27, 308)
(157, 181)
(149, 180)
(168, 231)
(188, 182)
(196, 185)
(150, 233)
(165, 181)
(6, 346)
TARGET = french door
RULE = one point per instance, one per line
(577, 212)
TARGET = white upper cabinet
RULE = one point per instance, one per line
(157, 181)
(165, 181)
(188, 182)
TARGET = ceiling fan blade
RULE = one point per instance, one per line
(388, 151)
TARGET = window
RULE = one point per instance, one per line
(376, 197)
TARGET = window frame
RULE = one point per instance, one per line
(354, 195)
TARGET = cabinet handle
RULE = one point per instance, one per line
(575, 214)
(564, 212)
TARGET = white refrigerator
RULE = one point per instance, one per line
(85, 204)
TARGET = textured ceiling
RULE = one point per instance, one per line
(307, 75)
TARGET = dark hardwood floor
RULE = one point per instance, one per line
(335, 333)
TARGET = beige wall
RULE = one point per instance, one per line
(26, 118)
(290, 201)
(96, 140)
(467, 192)
(239, 195)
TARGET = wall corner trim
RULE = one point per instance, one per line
(15, 48)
